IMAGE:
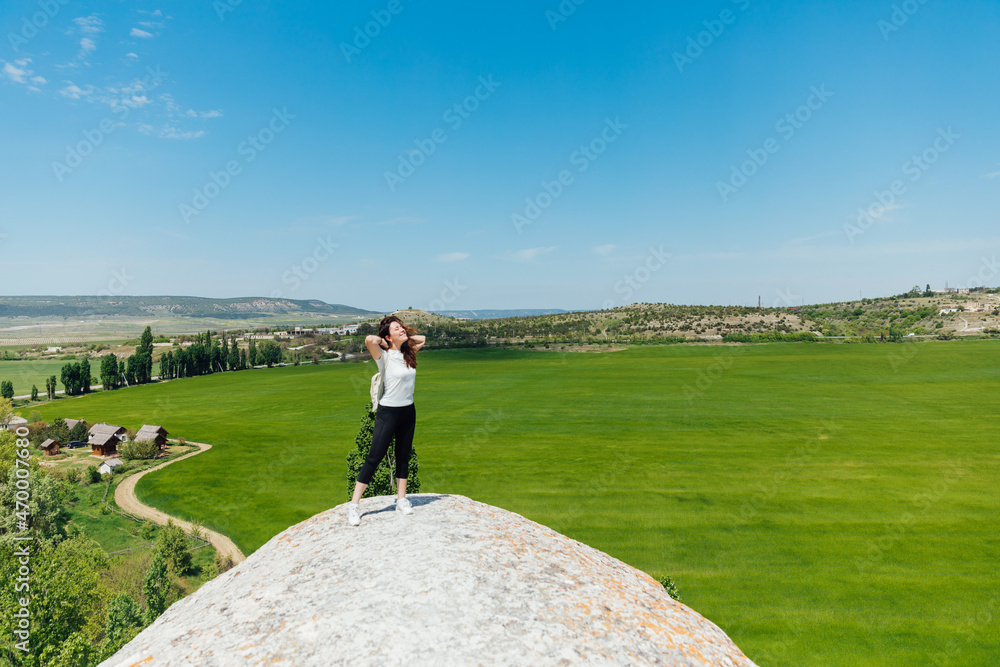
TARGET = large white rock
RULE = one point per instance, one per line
(455, 583)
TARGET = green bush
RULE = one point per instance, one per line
(671, 588)
(91, 476)
(172, 546)
(139, 449)
(73, 475)
(148, 531)
(384, 480)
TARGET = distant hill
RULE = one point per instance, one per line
(167, 306)
(497, 314)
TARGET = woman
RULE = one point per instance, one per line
(394, 350)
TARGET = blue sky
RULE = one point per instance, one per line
(509, 155)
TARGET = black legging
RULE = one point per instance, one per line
(391, 421)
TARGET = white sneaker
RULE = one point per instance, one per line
(354, 515)
(403, 505)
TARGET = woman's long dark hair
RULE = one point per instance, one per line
(409, 354)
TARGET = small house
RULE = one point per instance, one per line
(157, 434)
(102, 427)
(110, 466)
(105, 443)
(14, 422)
(71, 423)
(50, 447)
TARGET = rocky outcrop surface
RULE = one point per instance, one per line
(455, 583)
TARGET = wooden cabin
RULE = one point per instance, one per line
(50, 447)
(157, 434)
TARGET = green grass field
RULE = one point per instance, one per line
(26, 373)
(823, 504)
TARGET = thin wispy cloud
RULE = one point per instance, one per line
(168, 131)
(89, 27)
(214, 113)
(74, 92)
(453, 257)
(604, 249)
(89, 24)
(399, 221)
(17, 71)
(993, 174)
(527, 254)
(141, 34)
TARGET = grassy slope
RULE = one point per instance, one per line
(760, 512)
(26, 373)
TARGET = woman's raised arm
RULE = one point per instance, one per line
(375, 345)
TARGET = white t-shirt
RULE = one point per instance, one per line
(399, 379)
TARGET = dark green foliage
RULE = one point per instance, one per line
(72, 378)
(172, 544)
(384, 480)
(77, 651)
(123, 621)
(770, 337)
(34, 392)
(155, 587)
(85, 379)
(269, 352)
(131, 370)
(92, 476)
(78, 432)
(671, 588)
(7, 389)
(144, 357)
(57, 431)
(46, 508)
(66, 594)
(109, 372)
(139, 449)
(234, 357)
(148, 530)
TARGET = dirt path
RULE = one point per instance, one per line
(125, 497)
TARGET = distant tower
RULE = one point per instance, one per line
(758, 301)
